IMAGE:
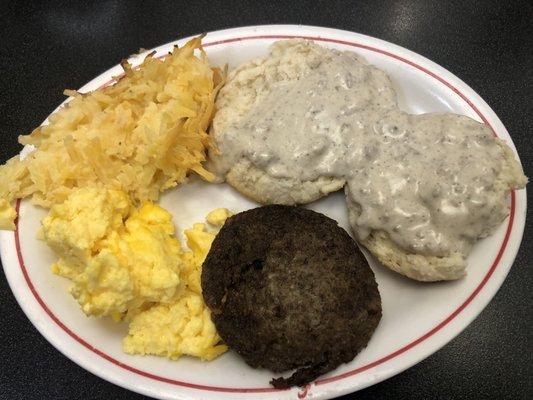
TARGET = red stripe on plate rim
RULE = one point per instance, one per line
(344, 375)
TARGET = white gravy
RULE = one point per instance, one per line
(424, 179)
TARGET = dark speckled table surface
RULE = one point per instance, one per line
(52, 45)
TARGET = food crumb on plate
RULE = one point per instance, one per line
(218, 216)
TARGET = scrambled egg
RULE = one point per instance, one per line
(7, 215)
(125, 262)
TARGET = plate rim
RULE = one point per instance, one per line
(515, 225)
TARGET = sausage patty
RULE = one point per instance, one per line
(289, 289)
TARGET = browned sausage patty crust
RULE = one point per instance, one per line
(289, 289)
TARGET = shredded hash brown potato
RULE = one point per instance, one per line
(142, 135)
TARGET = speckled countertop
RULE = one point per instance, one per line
(52, 45)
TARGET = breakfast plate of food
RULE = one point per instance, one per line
(268, 212)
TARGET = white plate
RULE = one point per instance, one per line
(418, 318)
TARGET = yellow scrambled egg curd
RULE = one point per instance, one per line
(219, 216)
(182, 325)
(126, 263)
(119, 258)
(7, 215)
